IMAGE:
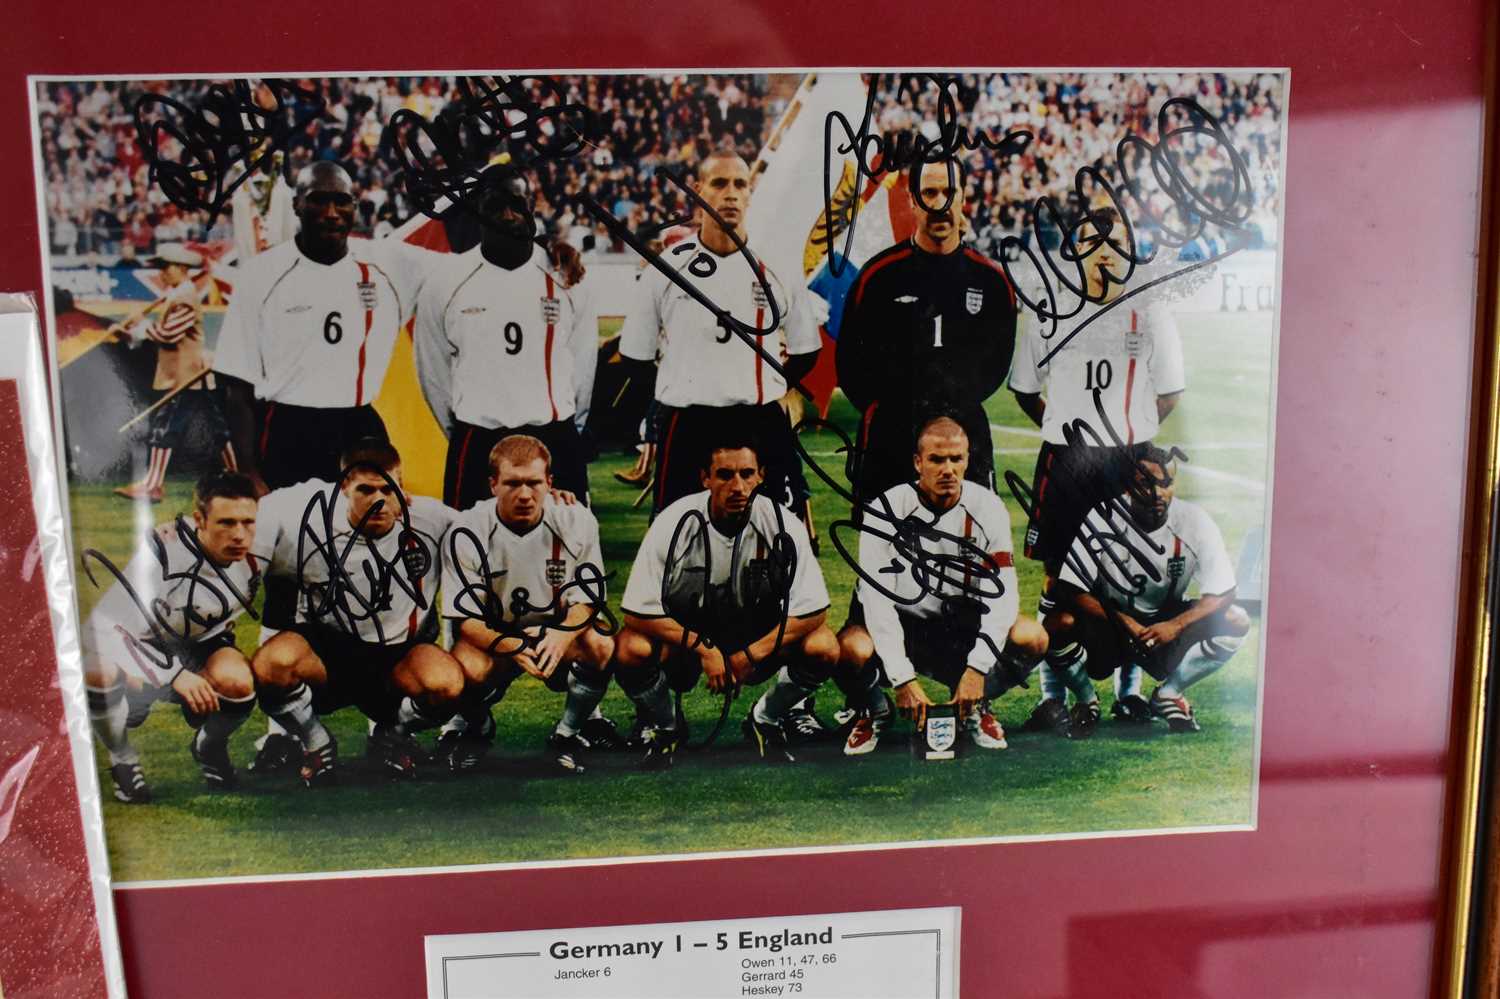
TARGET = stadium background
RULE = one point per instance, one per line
(104, 220)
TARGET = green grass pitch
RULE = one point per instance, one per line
(722, 798)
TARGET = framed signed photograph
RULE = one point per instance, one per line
(808, 529)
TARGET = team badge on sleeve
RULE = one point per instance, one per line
(368, 297)
(974, 300)
(557, 572)
(551, 310)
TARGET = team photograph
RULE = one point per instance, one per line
(472, 470)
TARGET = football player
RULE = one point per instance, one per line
(711, 382)
(725, 585)
(523, 585)
(166, 629)
(940, 597)
(502, 347)
(366, 559)
(309, 334)
(1123, 594)
(927, 330)
(1108, 387)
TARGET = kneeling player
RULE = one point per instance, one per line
(954, 617)
(725, 585)
(524, 582)
(166, 629)
(1123, 600)
(366, 558)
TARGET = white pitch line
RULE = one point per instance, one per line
(1208, 473)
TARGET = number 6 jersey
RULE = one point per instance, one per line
(319, 335)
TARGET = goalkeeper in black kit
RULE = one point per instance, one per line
(928, 331)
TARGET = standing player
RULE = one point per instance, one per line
(498, 343)
(1122, 594)
(1108, 388)
(166, 628)
(711, 382)
(308, 336)
(366, 558)
(725, 585)
(524, 585)
(928, 330)
(182, 367)
(955, 617)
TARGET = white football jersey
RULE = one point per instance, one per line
(499, 348)
(950, 569)
(732, 561)
(1142, 572)
(703, 364)
(178, 589)
(1129, 356)
(531, 575)
(378, 590)
(309, 334)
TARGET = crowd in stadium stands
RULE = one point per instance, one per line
(99, 201)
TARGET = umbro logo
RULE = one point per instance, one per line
(474, 310)
(298, 308)
(906, 299)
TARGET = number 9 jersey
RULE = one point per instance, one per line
(319, 335)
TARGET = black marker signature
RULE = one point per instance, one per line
(704, 265)
(338, 598)
(228, 130)
(969, 573)
(168, 644)
(477, 600)
(1116, 224)
(901, 150)
(443, 159)
(716, 616)
(1126, 540)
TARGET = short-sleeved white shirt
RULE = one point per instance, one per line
(484, 555)
(186, 594)
(382, 592)
(1144, 572)
(731, 559)
(1130, 356)
(497, 347)
(981, 520)
(702, 364)
(310, 334)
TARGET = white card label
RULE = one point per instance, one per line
(896, 954)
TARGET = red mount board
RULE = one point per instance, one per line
(1338, 892)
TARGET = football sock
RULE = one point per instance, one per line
(1069, 662)
(415, 715)
(651, 694)
(157, 471)
(784, 694)
(107, 713)
(294, 709)
(861, 690)
(227, 456)
(221, 724)
(1051, 683)
(1128, 681)
(1203, 659)
(586, 687)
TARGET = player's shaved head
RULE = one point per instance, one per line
(941, 459)
(518, 449)
(719, 156)
(942, 427)
(323, 175)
